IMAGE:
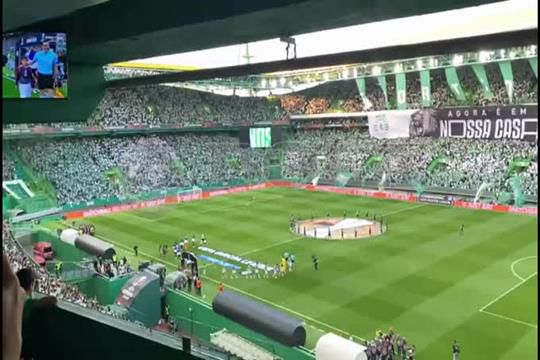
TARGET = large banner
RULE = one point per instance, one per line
(381, 79)
(425, 85)
(361, 85)
(508, 122)
(492, 122)
(508, 77)
(401, 91)
(453, 82)
(480, 72)
(389, 124)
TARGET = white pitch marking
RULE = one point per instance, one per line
(161, 260)
(270, 246)
(214, 209)
(302, 237)
(510, 319)
(285, 308)
(261, 249)
(405, 209)
(517, 262)
(508, 291)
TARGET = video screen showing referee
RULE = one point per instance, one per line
(34, 66)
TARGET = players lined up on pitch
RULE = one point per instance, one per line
(389, 346)
(259, 270)
(183, 245)
(354, 229)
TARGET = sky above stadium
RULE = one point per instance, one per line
(480, 20)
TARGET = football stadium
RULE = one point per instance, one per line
(264, 181)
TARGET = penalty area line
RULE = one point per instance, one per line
(483, 309)
(405, 209)
(508, 291)
(509, 319)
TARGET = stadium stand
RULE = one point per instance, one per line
(160, 105)
(77, 167)
(47, 283)
(343, 96)
(406, 160)
(178, 107)
(8, 170)
(172, 106)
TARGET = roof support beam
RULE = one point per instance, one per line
(471, 44)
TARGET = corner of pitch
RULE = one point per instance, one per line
(339, 228)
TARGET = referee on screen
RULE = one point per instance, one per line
(46, 60)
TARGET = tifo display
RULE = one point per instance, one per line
(339, 228)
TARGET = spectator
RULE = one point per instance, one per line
(12, 309)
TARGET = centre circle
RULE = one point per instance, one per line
(338, 228)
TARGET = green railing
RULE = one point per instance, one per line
(45, 195)
(18, 190)
(104, 289)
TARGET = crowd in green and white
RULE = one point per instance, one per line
(469, 163)
(180, 107)
(46, 283)
(101, 167)
(173, 106)
(90, 168)
(8, 170)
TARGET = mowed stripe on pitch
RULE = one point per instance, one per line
(415, 277)
(370, 283)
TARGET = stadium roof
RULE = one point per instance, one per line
(122, 30)
(459, 23)
(101, 33)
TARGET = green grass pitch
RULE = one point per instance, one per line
(421, 277)
(10, 90)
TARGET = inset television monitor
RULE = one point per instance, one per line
(34, 66)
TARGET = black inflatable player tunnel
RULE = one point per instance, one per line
(94, 246)
(254, 315)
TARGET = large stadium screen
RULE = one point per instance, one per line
(34, 66)
(260, 137)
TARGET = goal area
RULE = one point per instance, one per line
(183, 195)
